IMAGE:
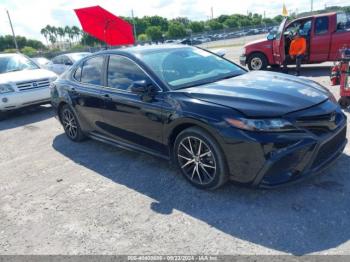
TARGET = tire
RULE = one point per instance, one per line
(206, 172)
(71, 125)
(257, 61)
(344, 102)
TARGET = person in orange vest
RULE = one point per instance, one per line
(297, 50)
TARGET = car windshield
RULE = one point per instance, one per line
(41, 60)
(78, 56)
(186, 67)
(12, 63)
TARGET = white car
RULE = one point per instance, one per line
(61, 63)
(41, 61)
(22, 83)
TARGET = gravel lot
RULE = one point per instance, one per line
(58, 197)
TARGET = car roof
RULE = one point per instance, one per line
(134, 50)
(316, 15)
(9, 54)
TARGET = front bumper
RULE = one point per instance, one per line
(302, 160)
(15, 100)
(243, 60)
(273, 159)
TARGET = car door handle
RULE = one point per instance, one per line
(107, 97)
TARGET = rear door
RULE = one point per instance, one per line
(278, 44)
(85, 94)
(320, 41)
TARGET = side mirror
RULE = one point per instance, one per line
(68, 63)
(141, 87)
(271, 36)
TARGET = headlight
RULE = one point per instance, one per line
(6, 88)
(262, 125)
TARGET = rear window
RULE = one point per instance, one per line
(321, 25)
(92, 71)
(343, 22)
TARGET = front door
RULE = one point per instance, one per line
(129, 117)
(85, 94)
(278, 44)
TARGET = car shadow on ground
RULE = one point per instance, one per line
(311, 216)
(26, 116)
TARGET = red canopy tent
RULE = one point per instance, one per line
(105, 26)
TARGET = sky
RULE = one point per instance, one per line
(29, 16)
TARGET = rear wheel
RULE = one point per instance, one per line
(257, 61)
(71, 125)
(200, 159)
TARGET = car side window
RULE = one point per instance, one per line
(92, 71)
(122, 72)
(66, 60)
(343, 22)
(321, 25)
(57, 60)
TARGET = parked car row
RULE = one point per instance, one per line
(207, 37)
(25, 81)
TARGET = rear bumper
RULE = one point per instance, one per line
(243, 60)
(15, 100)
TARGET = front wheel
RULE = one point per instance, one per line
(200, 159)
(257, 61)
(344, 102)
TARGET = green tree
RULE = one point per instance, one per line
(176, 30)
(29, 51)
(215, 25)
(196, 27)
(231, 23)
(154, 33)
(142, 37)
(157, 21)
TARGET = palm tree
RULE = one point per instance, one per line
(76, 32)
(68, 31)
(45, 33)
(61, 33)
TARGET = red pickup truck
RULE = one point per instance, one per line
(325, 35)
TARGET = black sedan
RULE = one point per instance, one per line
(215, 120)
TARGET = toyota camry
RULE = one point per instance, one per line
(215, 120)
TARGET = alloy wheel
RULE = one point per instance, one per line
(196, 160)
(256, 63)
(69, 124)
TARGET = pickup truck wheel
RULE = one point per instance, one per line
(344, 102)
(257, 61)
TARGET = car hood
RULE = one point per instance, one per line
(26, 75)
(262, 94)
(258, 42)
